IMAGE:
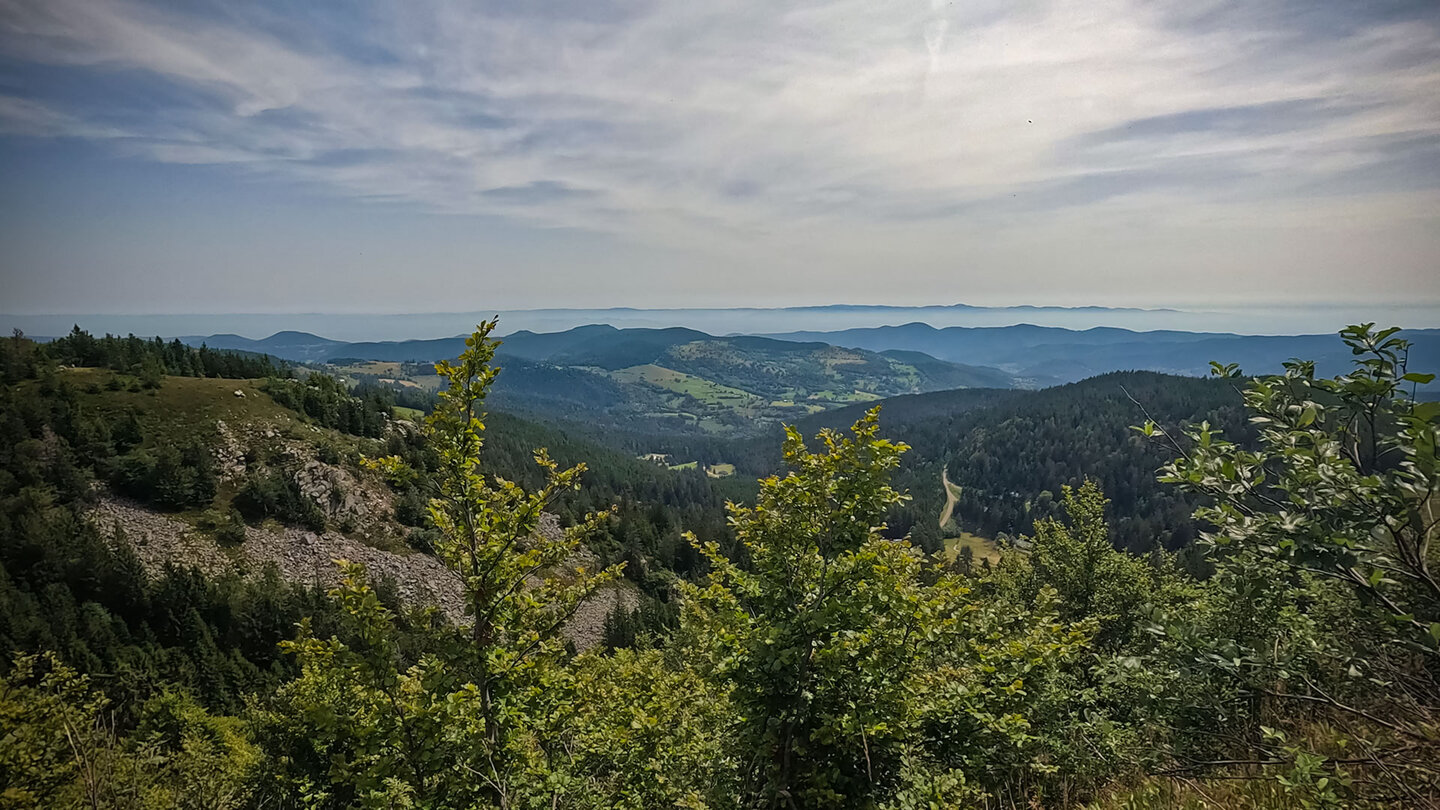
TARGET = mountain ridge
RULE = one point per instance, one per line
(1065, 355)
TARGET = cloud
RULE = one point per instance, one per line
(19, 116)
(694, 123)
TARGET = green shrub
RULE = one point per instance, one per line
(167, 476)
(274, 494)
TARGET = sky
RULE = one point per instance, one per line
(275, 156)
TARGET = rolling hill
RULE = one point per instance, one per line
(300, 347)
(666, 381)
(1009, 452)
(662, 380)
(1044, 354)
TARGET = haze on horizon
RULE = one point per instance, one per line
(452, 156)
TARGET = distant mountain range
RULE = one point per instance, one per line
(658, 379)
(1066, 355)
(957, 357)
(682, 379)
(610, 349)
(297, 347)
(1254, 318)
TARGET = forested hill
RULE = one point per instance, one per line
(1068, 355)
(607, 348)
(111, 471)
(151, 656)
(1010, 452)
(659, 381)
(147, 359)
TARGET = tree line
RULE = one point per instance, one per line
(145, 359)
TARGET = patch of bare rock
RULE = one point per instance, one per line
(309, 558)
(300, 556)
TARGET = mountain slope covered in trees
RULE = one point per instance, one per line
(653, 380)
(1067, 355)
(799, 658)
(1009, 453)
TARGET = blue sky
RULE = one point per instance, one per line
(452, 155)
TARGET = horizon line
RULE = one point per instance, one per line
(1200, 309)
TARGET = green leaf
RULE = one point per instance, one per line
(1307, 416)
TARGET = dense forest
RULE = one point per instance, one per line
(1009, 453)
(789, 650)
(657, 382)
(120, 434)
(147, 360)
(68, 592)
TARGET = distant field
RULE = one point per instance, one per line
(804, 407)
(388, 372)
(844, 397)
(714, 470)
(721, 470)
(380, 368)
(982, 548)
(413, 414)
(706, 391)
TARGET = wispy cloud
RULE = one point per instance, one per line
(686, 121)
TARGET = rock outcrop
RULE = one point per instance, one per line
(309, 557)
(300, 556)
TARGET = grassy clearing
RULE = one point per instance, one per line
(413, 414)
(183, 409)
(706, 391)
(379, 368)
(188, 409)
(183, 406)
(671, 415)
(714, 470)
(844, 397)
(390, 373)
(982, 548)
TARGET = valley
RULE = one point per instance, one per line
(686, 381)
(1040, 355)
(212, 494)
(650, 380)
(451, 405)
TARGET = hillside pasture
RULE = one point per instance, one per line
(982, 548)
(703, 390)
(182, 407)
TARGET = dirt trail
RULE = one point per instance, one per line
(950, 498)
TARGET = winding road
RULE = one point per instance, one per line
(951, 497)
